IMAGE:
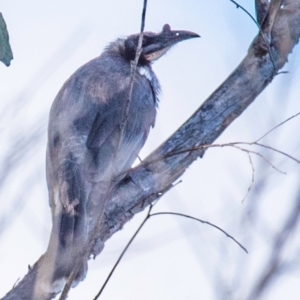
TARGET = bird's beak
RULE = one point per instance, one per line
(164, 40)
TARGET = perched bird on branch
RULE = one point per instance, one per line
(98, 123)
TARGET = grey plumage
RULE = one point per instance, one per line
(85, 152)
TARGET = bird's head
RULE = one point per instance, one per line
(154, 44)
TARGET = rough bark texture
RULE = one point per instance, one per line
(280, 31)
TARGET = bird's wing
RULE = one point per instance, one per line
(85, 147)
(94, 103)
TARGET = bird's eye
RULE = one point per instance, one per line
(177, 33)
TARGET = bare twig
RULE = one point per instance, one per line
(159, 195)
(260, 155)
(201, 221)
(252, 177)
(133, 71)
(257, 23)
(123, 252)
(278, 151)
(67, 287)
(233, 145)
(247, 12)
(280, 124)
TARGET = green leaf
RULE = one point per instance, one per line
(5, 51)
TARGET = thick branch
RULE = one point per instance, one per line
(146, 183)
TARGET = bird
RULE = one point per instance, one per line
(98, 123)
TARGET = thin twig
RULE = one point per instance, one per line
(15, 284)
(247, 12)
(123, 252)
(278, 151)
(261, 156)
(201, 221)
(133, 71)
(158, 196)
(252, 177)
(280, 124)
(259, 27)
(67, 287)
(233, 145)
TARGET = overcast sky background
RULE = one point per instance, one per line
(172, 258)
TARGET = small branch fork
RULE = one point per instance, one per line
(237, 145)
(262, 7)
